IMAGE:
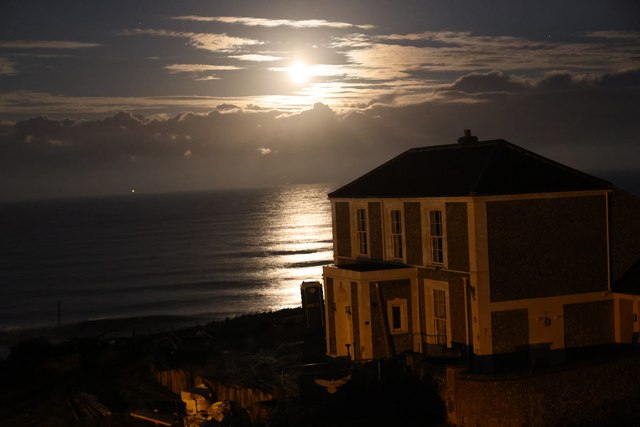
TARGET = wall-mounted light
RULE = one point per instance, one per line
(545, 319)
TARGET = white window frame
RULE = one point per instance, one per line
(430, 286)
(436, 236)
(401, 305)
(427, 242)
(396, 234)
(440, 316)
(362, 232)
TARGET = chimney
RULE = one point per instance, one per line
(467, 138)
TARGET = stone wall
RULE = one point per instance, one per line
(375, 230)
(586, 393)
(625, 227)
(413, 228)
(343, 229)
(398, 343)
(547, 247)
(457, 236)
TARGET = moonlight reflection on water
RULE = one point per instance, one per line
(209, 254)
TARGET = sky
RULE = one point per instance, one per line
(104, 97)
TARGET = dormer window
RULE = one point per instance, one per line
(361, 226)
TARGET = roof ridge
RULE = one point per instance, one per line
(484, 167)
(360, 178)
(558, 164)
(416, 149)
(454, 145)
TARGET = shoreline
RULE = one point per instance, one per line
(108, 327)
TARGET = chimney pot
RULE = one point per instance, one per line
(467, 138)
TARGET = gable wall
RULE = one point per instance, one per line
(547, 247)
(625, 231)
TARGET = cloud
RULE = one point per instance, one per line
(495, 86)
(239, 145)
(354, 68)
(32, 103)
(256, 57)
(630, 36)
(494, 81)
(7, 67)
(196, 68)
(45, 44)
(208, 41)
(272, 23)
(448, 51)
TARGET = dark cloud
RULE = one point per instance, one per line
(554, 81)
(494, 81)
(588, 122)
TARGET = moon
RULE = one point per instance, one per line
(299, 72)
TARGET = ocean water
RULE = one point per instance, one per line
(206, 255)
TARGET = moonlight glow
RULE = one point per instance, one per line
(299, 72)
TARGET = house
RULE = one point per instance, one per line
(485, 248)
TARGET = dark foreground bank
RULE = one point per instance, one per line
(99, 380)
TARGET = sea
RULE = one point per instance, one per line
(170, 258)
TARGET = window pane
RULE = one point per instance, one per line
(396, 233)
(441, 331)
(396, 315)
(439, 304)
(436, 250)
(437, 236)
(440, 315)
(361, 219)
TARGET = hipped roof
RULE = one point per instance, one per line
(494, 167)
